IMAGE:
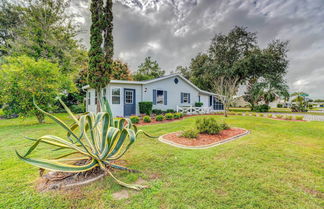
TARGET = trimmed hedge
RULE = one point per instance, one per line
(159, 118)
(199, 104)
(135, 119)
(145, 107)
(169, 116)
(147, 119)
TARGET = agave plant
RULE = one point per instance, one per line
(97, 138)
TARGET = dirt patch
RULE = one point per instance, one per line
(123, 194)
(204, 139)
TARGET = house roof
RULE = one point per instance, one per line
(155, 80)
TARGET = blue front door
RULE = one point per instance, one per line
(129, 102)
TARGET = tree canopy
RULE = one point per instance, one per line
(22, 78)
(149, 69)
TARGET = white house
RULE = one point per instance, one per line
(167, 92)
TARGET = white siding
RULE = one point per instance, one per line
(205, 100)
(173, 91)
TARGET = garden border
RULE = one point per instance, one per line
(166, 141)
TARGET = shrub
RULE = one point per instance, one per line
(147, 119)
(261, 115)
(199, 104)
(191, 133)
(279, 105)
(159, 118)
(299, 117)
(181, 114)
(279, 116)
(239, 113)
(289, 117)
(169, 116)
(224, 126)
(254, 114)
(80, 108)
(145, 107)
(170, 111)
(134, 119)
(176, 115)
(269, 115)
(157, 111)
(261, 108)
(207, 125)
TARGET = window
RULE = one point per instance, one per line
(115, 96)
(89, 98)
(159, 97)
(186, 97)
(129, 97)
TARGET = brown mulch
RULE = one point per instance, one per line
(204, 139)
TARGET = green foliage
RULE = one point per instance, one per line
(180, 114)
(279, 116)
(224, 126)
(261, 115)
(190, 133)
(261, 108)
(177, 115)
(170, 111)
(288, 117)
(145, 107)
(79, 108)
(157, 111)
(299, 117)
(96, 138)
(208, 125)
(269, 115)
(135, 119)
(148, 70)
(253, 114)
(22, 78)
(279, 105)
(199, 104)
(120, 71)
(239, 113)
(169, 116)
(147, 119)
(159, 118)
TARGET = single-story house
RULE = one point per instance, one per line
(167, 92)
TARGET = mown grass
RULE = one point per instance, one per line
(279, 165)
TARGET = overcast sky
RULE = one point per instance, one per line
(174, 31)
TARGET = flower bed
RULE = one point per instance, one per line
(203, 140)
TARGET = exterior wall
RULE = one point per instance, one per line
(173, 92)
(92, 107)
(118, 109)
(205, 100)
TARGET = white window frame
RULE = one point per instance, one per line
(115, 95)
(186, 95)
(157, 97)
(132, 93)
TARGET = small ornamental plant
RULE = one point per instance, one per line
(289, 117)
(147, 119)
(191, 133)
(239, 113)
(176, 115)
(269, 115)
(135, 119)
(261, 115)
(208, 125)
(254, 114)
(181, 114)
(299, 117)
(169, 116)
(279, 116)
(159, 118)
(224, 126)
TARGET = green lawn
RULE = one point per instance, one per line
(279, 165)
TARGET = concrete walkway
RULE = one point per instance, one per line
(307, 117)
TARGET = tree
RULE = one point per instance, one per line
(100, 59)
(22, 78)
(226, 88)
(45, 30)
(184, 71)
(149, 69)
(253, 95)
(300, 99)
(120, 71)
(274, 88)
(198, 71)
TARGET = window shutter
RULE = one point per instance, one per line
(154, 96)
(181, 97)
(165, 97)
(189, 98)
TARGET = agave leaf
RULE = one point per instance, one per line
(69, 112)
(86, 119)
(131, 186)
(106, 108)
(65, 155)
(113, 133)
(132, 138)
(58, 121)
(55, 166)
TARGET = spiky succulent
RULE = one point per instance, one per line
(95, 137)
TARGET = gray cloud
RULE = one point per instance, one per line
(174, 31)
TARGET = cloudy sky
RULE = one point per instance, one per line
(174, 31)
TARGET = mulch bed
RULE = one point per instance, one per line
(204, 139)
